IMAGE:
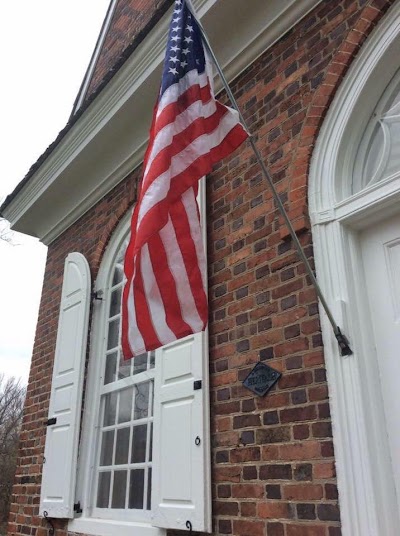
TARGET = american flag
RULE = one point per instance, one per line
(165, 296)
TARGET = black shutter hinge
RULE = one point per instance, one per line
(51, 421)
(197, 385)
(97, 295)
(77, 507)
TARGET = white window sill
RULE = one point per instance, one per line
(106, 527)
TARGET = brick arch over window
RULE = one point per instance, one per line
(317, 109)
(127, 195)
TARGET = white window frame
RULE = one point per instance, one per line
(367, 502)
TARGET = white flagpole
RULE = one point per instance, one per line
(341, 338)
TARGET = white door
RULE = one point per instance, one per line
(380, 245)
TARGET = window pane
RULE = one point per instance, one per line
(118, 274)
(124, 367)
(122, 446)
(111, 365)
(151, 443)
(140, 363)
(152, 359)
(119, 489)
(139, 443)
(125, 405)
(149, 489)
(110, 406)
(113, 334)
(141, 400)
(115, 304)
(107, 445)
(103, 490)
(136, 489)
(151, 398)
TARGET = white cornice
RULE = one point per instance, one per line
(109, 139)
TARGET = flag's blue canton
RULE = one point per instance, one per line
(184, 49)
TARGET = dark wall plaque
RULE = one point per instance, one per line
(261, 379)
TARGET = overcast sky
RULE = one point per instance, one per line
(45, 48)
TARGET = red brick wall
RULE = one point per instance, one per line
(272, 457)
(129, 19)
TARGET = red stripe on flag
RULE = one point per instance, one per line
(194, 94)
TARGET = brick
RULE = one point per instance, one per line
(328, 512)
(274, 510)
(276, 472)
(303, 472)
(246, 491)
(307, 450)
(305, 511)
(245, 454)
(248, 509)
(303, 492)
(275, 529)
(273, 435)
(305, 413)
(306, 530)
(248, 528)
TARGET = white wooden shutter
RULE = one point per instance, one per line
(181, 488)
(59, 468)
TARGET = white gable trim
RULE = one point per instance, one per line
(95, 56)
(109, 140)
(366, 495)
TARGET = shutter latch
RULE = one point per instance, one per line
(197, 385)
(189, 527)
(51, 421)
(77, 507)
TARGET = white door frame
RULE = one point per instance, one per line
(366, 489)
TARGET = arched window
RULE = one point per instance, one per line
(124, 460)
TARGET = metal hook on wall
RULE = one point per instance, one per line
(52, 530)
(189, 527)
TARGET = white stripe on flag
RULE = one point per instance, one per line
(135, 337)
(190, 204)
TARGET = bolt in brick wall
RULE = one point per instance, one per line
(273, 466)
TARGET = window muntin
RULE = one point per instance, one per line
(122, 480)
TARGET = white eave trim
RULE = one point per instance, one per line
(109, 140)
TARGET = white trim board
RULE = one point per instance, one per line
(366, 489)
(109, 140)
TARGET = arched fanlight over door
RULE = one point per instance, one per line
(378, 155)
